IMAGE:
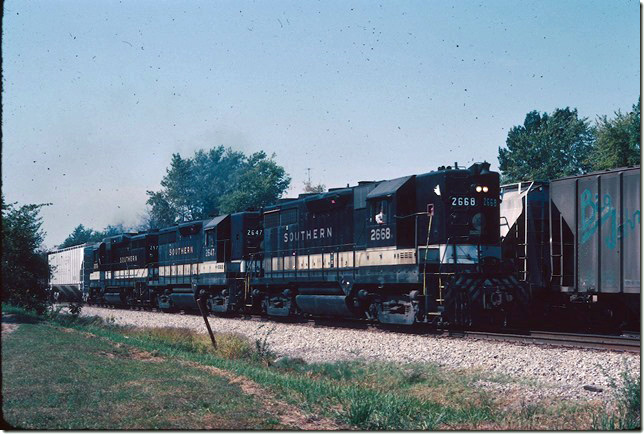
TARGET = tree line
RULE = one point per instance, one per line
(551, 146)
(221, 181)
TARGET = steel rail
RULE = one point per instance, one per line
(630, 344)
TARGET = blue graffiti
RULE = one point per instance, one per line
(607, 213)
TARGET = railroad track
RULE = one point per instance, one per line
(625, 343)
(630, 343)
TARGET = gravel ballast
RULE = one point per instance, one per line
(561, 372)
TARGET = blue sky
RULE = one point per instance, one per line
(99, 94)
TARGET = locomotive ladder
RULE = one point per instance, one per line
(521, 254)
(441, 286)
(444, 277)
(527, 235)
(249, 273)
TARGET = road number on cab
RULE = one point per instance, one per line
(380, 234)
(463, 201)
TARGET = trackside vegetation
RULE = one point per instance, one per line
(66, 372)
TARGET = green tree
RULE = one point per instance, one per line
(262, 182)
(212, 182)
(82, 235)
(217, 173)
(547, 146)
(617, 140)
(111, 230)
(25, 270)
(79, 235)
(159, 213)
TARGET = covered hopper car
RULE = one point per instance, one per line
(576, 242)
(70, 271)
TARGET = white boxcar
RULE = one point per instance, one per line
(68, 270)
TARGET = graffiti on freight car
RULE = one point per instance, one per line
(590, 222)
(630, 221)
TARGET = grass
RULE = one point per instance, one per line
(60, 378)
(355, 394)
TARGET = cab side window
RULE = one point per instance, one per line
(379, 212)
(210, 239)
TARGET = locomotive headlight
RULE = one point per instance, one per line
(478, 221)
(485, 189)
(478, 188)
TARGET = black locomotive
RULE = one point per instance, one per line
(417, 249)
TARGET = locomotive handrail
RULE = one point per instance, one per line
(411, 215)
(506, 221)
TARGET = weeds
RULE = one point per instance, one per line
(56, 315)
(75, 309)
(290, 364)
(262, 348)
(628, 414)
(229, 346)
(54, 312)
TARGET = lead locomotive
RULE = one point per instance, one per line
(416, 249)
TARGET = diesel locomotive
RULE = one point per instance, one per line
(418, 249)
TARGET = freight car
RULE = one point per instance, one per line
(70, 271)
(421, 248)
(576, 242)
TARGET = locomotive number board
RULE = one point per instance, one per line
(473, 201)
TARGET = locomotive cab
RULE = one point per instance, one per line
(387, 203)
(231, 256)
